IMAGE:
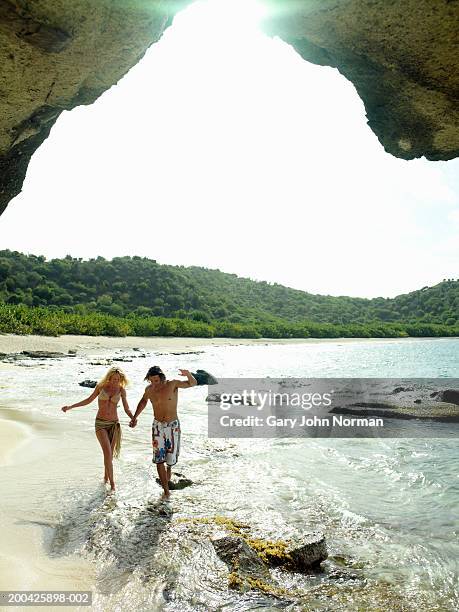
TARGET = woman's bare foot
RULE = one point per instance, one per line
(166, 496)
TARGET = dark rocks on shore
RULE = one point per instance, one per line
(45, 354)
(446, 413)
(402, 389)
(88, 383)
(181, 353)
(36, 355)
(451, 396)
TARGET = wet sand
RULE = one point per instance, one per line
(13, 435)
(34, 448)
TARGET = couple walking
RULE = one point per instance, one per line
(163, 395)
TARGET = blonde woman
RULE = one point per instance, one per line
(109, 390)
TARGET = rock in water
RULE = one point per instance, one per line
(204, 378)
(177, 482)
(309, 554)
(88, 383)
(238, 555)
(298, 556)
(402, 389)
(451, 396)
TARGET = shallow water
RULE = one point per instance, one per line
(388, 506)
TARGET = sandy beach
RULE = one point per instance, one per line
(10, 343)
(62, 531)
(13, 435)
(30, 446)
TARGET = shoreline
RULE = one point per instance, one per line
(13, 343)
(13, 435)
(28, 441)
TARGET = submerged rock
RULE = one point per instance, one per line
(177, 482)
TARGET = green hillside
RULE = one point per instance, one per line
(135, 285)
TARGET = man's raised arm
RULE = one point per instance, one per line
(184, 384)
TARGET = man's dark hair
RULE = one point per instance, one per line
(156, 371)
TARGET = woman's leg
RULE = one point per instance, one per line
(104, 441)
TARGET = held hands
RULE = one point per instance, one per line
(133, 422)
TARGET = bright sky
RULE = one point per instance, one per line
(223, 148)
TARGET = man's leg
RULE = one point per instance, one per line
(163, 478)
(173, 448)
(157, 438)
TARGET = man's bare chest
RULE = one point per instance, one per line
(162, 396)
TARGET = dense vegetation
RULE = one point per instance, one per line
(134, 295)
(20, 319)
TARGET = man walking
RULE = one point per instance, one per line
(163, 395)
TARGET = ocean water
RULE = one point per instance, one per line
(388, 507)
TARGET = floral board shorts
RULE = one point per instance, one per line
(165, 438)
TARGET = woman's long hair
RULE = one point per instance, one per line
(106, 379)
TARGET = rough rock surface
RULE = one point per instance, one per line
(178, 482)
(401, 55)
(56, 55)
(237, 554)
(307, 554)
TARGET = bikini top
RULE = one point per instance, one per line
(114, 399)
